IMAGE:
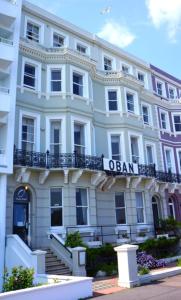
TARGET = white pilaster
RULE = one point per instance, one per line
(3, 186)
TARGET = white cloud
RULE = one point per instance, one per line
(116, 34)
(166, 12)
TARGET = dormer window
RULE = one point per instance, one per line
(125, 69)
(141, 77)
(32, 32)
(159, 86)
(107, 64)
(58, 40)
(82, 49)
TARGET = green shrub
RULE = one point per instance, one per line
(20, 278)
(74, 240)
(170, 226)
(179, 262)
(160, 248)
(143, 271)
(110, 269)
(101, 258)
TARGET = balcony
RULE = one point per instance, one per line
(9, 9)
(72, 160)
(4, 101)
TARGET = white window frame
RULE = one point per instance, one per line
(87, 132)
(174, 91)
(121, 207)
(81, 43)
(167, 120)
(173, 206)
(85, 81)
(178, 160)
(144, 207)
(63, 80)
(157, 80)
(37, 66)
(145, 82)
(130, 67)
(57, 228)
(140, 146)
(36, 117)
(136, 102)
(150, 118)
(119, 103)
(88, 206)
(154, 153)
(37, 23)
(61, 33)
(172, 158)
(175, 114)
(108, 56)
(122, 143)
(62, 119)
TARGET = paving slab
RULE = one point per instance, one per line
(165, 289)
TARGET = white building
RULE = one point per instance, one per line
(10, 18)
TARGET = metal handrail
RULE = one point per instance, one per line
(52, 236)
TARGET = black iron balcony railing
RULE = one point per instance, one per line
(74, 160)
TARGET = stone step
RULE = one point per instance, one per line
(59, 272)
(53, 265)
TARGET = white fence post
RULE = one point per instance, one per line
(79, 261)
(39, 261)
(127, 265)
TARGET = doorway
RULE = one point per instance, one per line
(21, 213)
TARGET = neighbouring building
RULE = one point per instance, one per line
(90, 151)
(10, 17)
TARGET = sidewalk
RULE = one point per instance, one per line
(106, 286)
(166, 289)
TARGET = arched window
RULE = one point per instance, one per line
(171, 208)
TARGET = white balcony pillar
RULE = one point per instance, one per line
(3, 186)
(127, 265)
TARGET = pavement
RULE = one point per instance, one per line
(165, 289)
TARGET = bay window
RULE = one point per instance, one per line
(134, 150)
(115, 147)
(81, 206)
(56, 207)
(120, 208)
(28, 134)
(79, 138)
(140, 207)
(55, 137)
(56, 80)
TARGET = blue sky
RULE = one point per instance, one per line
(149, 29)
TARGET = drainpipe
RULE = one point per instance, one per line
(3, 187)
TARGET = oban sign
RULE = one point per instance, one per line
(120, 166)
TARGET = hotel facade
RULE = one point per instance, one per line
(97, 144)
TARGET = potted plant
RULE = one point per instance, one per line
(141, 236)
(124, 239)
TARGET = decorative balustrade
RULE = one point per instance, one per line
(74, 160)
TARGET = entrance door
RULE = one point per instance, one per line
(21, 213)
(155, 209)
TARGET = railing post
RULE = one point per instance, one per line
(154, 170)
(47, 159)
(102, 157)
(75, 158)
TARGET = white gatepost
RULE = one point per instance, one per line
(79, 261)
(127, 265)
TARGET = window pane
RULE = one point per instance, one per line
(120, 216)
(149, 154)
(81, 215)
(119, 200)
(56, 197)
(56, 217)
(79, 134)
(56, 74)
(81, 197)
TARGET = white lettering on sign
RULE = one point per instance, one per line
(120, 166)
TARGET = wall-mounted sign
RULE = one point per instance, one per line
(21, 194)
(120, 166)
